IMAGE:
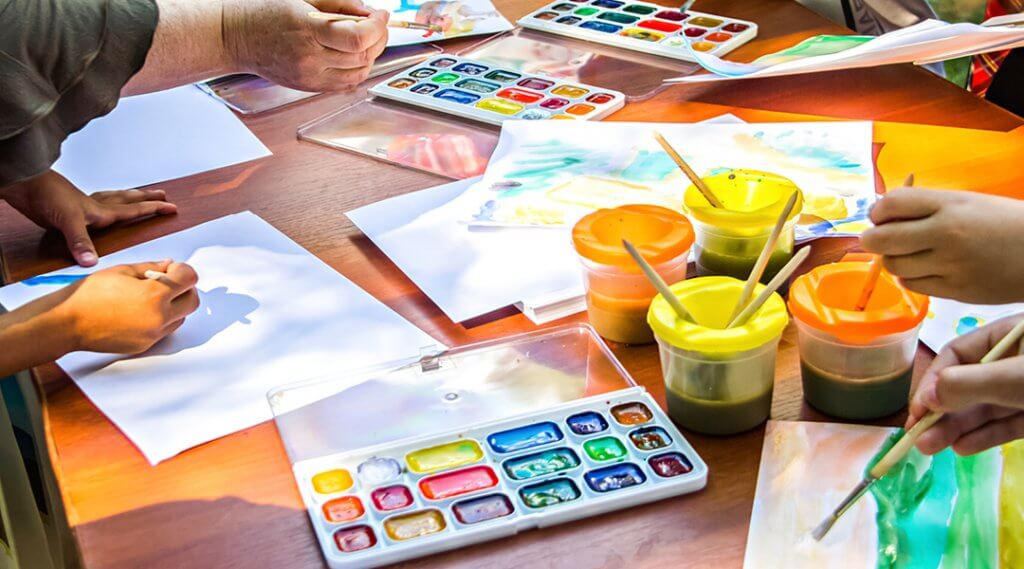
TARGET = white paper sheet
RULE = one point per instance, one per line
(270, 314)
(473, 271)
(544, 173)
(948, 319)
(154, 138)
(457, 18)
(468, 271)
(926, 42)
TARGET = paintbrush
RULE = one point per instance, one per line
(876, 267)
(158, 276)
(766, 254)
(687, 5)
(903, 446)
(699, 183)
(773, 285)
(330, 17)
(659, 284)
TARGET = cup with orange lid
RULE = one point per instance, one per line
(618, 293)
(855, 364)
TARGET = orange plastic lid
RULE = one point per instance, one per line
(825, 298)
(660, 234)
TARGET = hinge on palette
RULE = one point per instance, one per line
(430, 358)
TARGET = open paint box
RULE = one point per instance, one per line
(476, 443)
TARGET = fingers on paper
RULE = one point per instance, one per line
(181, 278)
(907, 203)
(186, 303)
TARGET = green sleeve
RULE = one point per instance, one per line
(62, 64)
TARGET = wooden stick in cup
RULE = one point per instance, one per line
(659, 284)
(331, 17)
(701, 186)
(772, 286)
(766, 254)
(876, 268)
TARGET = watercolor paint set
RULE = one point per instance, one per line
(642, 26)
(475, 444)
(491, 94)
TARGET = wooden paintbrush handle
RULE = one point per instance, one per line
(903, 446)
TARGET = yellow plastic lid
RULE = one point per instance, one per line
(711, 301)
(825, 298)
(659, 234)
(751, 199)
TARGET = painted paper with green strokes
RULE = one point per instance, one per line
(940, 512)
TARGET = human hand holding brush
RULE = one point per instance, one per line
(983, 402)
(953, 244)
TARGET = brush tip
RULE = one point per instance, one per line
(823, 528)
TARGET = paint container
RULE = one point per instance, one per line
(717, 381)
(855, 364)
(476, 443)
(618, 293)
(730, 239)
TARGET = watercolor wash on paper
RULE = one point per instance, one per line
(944, 511)
(546, 174)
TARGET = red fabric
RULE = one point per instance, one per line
(985, 65)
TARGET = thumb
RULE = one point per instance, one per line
(79, 243)
(1000, 382)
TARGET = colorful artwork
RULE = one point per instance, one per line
(944, 511)
(455, 17)
(551, 175)
(948, 319)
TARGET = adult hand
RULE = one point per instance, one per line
(277, 40)
(983, 403)
(959, 245)
(52, 202)
(119, 310)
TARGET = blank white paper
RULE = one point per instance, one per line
(270, 314)
(154, 138)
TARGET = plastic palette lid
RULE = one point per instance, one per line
(825, 297)
(444, 391)
(659, 234)
(711, 301)
(751, 198)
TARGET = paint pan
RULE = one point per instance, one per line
(476, 443)
(642, 26)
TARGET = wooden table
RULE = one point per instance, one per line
(233, 502)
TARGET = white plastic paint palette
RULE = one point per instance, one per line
(642, 26)
(449, 491)
(475, 444)
(483, 92)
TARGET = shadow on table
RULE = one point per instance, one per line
(222, 533)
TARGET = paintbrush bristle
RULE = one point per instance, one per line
(823, 528)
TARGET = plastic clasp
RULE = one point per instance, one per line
(430, 358)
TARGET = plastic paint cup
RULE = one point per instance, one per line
(618, 293)
(718, 381)
(730, 239)
(855, 364)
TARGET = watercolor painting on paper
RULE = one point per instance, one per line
(948, 319)
(546, 174)
(944, 511)
(456, 18)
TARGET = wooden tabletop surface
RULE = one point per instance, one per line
(234, 503)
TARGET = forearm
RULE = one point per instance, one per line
(187, 47)
(34, 334)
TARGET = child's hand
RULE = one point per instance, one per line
(984, 403)
(119, 310)
(961, 245)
